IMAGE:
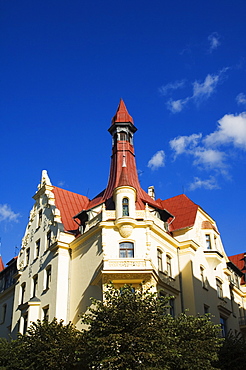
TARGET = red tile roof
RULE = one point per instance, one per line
(1, 264)
(183, 209)
(208, 225)
(122, 114)
(239, 261)
(69, 204)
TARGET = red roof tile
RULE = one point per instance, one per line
(1, 264)
(239, 261)
(183, 209)
(69, 204)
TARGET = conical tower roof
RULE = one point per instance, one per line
(122, 114)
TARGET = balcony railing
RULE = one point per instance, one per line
(126, 264)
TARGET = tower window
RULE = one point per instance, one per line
(126, 250)
(123, 136)
(125, 207)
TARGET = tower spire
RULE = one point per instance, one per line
(122, 114)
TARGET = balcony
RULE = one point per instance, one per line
(213, 257)
(129, 264)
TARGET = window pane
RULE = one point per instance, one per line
(126, 250)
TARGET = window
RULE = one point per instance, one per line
(206, 309)
(48, 239)
(126, 250)
(123, 136)
(27, 256)
(22, 293)
(171, 309)
(35, 285)
(219, 288)
(46, 313)
(202, 277)
(159, 260)
(223, 326)
(37, 248)
(25, 318)
(169, 265)
(39, 218)
(48, 277)
(215, 242)
(208, 241)
(3, 313)
(125, 207)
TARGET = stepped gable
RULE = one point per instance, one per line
(69, 204)
(239, 261)
(183, 209)
(122, 157)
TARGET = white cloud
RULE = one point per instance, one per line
(164, 90)
(176, 106)
(157, 160)
(209, 184)
(209, 157)
(201, 91)
(231, 129)
(214, 41)
(241, 99)
(205, 89)
(6, 214)
(182, 144)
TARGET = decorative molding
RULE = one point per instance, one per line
(125, 230)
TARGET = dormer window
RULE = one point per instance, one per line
(125, 207)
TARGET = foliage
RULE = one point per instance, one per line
(232, 354)
(44, 346)
(131, 330)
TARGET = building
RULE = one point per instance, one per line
(74, 246)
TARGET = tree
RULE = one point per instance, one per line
(232, 355)
(46, 345)
(131, 329)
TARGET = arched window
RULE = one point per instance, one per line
(125, 207)
(159, 260)
(169, 265)
(126, 250)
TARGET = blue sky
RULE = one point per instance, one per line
(179, 66)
